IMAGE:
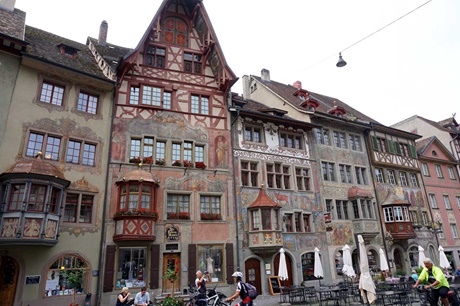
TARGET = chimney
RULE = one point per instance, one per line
(297, 84)
(7, 5)
(265, 74)
(102, 33)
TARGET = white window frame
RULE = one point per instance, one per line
(432, 198)
(438, 171)
(451, 173)
(425, 170)
(446, 200)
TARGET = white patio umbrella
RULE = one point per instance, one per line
(421, 257)
(443, 262)
(383, 261)
(366, 284)
(282, 269)
(318, 268)
(347, 262)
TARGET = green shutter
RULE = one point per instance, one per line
(375, 144)
(391, 147)
(413, 151)
(398, 148)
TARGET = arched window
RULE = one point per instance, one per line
(67, 274)
(175, 31)
(308, 266)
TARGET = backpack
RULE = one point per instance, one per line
(251, 291)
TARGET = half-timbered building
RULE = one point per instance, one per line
(171, 176)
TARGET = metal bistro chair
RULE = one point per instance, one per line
(310, 295)
(296, 295)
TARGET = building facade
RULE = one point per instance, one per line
(276, 193)
(171, 201)
(55, 105)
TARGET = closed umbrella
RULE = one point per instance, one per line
(421, 256)
(366, 284)
(318, 268)
(383, 261)
(443, 262)
(347, 262)
(282, 270)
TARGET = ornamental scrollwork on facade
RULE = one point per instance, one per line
(270, 157)
(270, 128)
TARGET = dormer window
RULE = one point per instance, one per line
(302, 97)
(68, 50)
(337, 111)
(310, 104)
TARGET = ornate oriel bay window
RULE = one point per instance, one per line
(136, 215)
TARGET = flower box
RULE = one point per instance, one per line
(181, 215)
(207, 216)
(135, 160)
(134, 212)
(177, 163)
(200, 165)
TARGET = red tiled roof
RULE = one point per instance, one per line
(263, 200)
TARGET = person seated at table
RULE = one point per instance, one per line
(436, 280)
(457, 272)
(414, 275)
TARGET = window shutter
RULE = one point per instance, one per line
(398, 148)
(229, 262)
(109, 271)
(375, 144)
(154, 266)
(191, 263)
(391, 147)
(413, 151)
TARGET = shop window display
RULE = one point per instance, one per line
(57, 279)
(131, 267)
(210, 259)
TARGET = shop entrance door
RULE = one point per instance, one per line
(9, 270)
(171, 262)
(252, 273)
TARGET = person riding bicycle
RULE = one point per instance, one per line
(437, 281)
(241, 291)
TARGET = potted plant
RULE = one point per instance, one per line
(184, 215)
(160, 161)
(172, 275)
(177, 163)
(187, 163)
(172, 301)
(147, 160)
(209, 216)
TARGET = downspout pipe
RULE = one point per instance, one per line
(235, 110)
(104, 211)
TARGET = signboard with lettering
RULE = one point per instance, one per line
(172, 233)
(32, 279)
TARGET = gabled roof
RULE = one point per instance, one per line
(255, 109)
(112, 54)
(202, 24)
(287, 92)
(43, 46)
(424, 144)
(439, 125)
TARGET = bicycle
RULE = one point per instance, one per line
(427, 300)
(213, 298)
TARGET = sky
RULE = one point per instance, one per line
(411, 67)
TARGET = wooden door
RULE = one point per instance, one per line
(252, 273)
(9, 271)
(276, 265)
(171, 262)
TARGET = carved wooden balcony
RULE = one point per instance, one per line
(400, 230)
(135, 225)
(29, 228)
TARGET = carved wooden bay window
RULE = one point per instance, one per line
(135, 214)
